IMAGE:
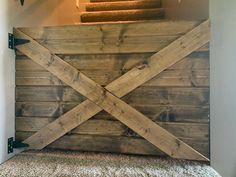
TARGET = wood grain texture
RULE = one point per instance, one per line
(114, 97)
(115, 128)
(116, 62)
(191, 71)
(127, 145)
(91, 31)
(132, 44)
(170, 78)
(142, 95)
(110, 38)
(163, 113)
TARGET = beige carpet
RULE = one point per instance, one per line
(66, 164)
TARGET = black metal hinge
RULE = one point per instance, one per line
(13, 42)
(15, 145)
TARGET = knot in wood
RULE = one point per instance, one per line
(143, 65)
(51, 60)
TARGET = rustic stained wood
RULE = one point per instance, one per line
(142, 95)
(110, 38)
(99, 88)
(191, 71)
(198, 131)
(115, 144)
(115, 62)
(172, 113)
(183, 78)
(109, 31)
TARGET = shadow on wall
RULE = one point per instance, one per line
(186, 9)
(36, 13)
(33, 13)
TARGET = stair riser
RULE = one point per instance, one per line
(146, 4)
(126, 15)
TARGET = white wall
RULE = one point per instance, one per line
(223, 86)
(33, 13)
(6, 84)
(186, 9)
(46, 13)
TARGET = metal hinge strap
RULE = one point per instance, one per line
(15, 145)
(13, 42)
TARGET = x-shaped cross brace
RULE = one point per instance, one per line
(108, 98)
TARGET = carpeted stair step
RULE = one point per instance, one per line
(123, 15)
(123, 5)
(108, 0)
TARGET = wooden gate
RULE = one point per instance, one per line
(172, 42)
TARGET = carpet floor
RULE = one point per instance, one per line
(69, 164)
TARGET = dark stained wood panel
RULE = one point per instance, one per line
(177, 99)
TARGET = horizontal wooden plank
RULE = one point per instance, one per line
(112, 38)
(98, 31)
(163, 113)
(100, 144)
(105, 68)
(114, 62)
(115, 128)
(38, 78)
(180, 78)
(204, 48)
(128, 145)
(92, 127)
(45, 78)
(183, 78)
(142, 95)
(89, 61)
(172, 113)
(136, 44)
(39, 109)
(175, 113)
(120, 145)
(168, 95)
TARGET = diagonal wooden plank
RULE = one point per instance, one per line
(179, 150)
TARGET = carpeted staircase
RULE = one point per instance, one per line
(122, 10)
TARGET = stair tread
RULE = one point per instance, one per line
(94, 1)
(123, 15)
(123, 22)
(123, 5)
(125, 11)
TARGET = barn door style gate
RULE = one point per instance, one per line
(109, 98)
